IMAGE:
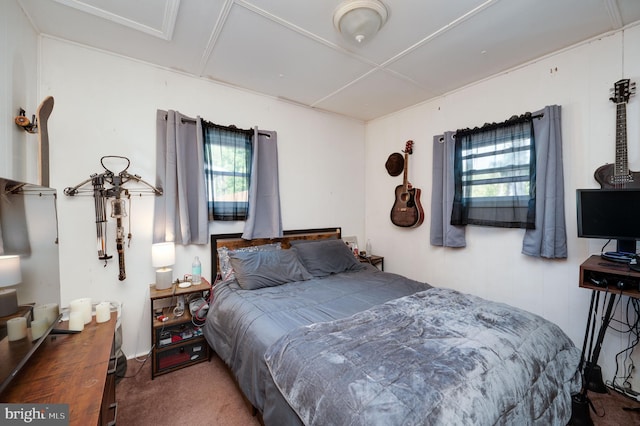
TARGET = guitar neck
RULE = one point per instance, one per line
(622, 161)
(405, 178)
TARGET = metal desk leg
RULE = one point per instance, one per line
(596, 352)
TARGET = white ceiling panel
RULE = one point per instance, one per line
(406, 26)
(256, 52)
(374, 95)
(500, 38)
(154, 17)
(290, 49)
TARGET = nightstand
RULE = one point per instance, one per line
(373, 260)
(177, 341)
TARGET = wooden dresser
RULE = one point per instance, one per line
(75, 369)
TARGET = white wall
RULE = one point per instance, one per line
(106, 105)
(18, 89)
(492, 265)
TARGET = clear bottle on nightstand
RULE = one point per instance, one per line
(196, 271)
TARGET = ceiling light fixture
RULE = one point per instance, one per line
(360, 20)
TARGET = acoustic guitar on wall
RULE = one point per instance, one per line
(407, 211)
(618, 175)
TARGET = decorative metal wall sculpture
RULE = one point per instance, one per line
(117, 191)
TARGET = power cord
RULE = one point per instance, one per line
(626, 392)
(178, 311)
(142, 361)
(199, 307)
(605, 244)
(631, 327)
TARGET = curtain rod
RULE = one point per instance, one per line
(235, 129)
(232, 127)
(490, 126)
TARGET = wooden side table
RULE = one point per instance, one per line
(176, 341)
(373, 260)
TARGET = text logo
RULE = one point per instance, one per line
(34, 414)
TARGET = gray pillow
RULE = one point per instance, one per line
(260, 269)
(226, 271)
(325, 257)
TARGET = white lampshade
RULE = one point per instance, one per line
(163, 255)
(359, 20)
(10, 274)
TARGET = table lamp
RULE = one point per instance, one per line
(10, 274)
(163, 255)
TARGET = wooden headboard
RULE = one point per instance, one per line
(235, 241)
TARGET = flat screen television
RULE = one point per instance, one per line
(28, 228)
(610, 214)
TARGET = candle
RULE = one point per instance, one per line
(76, 321)
(103, 312)
(53, 311)
(75, 305)
(83, 306)
(38, 327)
(86, 305)
(17, 328)
(40, 313)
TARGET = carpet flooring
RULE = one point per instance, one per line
(206, 394)
(199, 395)
(614, 409)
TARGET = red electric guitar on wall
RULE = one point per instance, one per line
(407, 210)
(618, 175)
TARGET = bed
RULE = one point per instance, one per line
(313, 336)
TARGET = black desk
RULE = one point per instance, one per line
(610, 279)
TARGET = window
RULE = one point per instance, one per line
(227, 158)
(494, 169)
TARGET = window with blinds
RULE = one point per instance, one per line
(494, 170)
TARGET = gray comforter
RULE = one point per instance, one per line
(437, 357)
(242, 324)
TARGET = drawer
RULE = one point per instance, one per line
(176, 333)
(180, 355)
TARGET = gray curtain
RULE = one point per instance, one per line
(181, 212)
(442, 193)
(264, 218)
(549, 238)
